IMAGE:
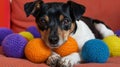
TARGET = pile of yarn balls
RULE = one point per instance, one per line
(14, 45)
(30, 45)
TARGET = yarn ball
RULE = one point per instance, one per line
(117, 33)
(113, 43)
(70, 46)
(27, 35)
(34, 31)
(95, 50)
(13, 45)
(36, 51)
(3, 33)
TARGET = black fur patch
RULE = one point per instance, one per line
(90, 24)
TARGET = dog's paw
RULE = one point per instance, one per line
(69, 60)
(53, 60)
(65, 62)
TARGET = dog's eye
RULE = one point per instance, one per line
(42, 24)
(42, 20)
(66, 24)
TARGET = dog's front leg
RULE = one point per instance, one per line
(70, 60)
(53, 60)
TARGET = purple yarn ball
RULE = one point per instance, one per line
(34, 31)
(117, 32)
(13, 45)
(3, 33)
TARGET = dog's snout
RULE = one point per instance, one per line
(53, 39)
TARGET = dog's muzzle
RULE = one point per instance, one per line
(53, 39)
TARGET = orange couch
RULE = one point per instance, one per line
(17, 62)
(5, 13)
(106, 10)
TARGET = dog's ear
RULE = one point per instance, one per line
(76, 10)
(32, 7)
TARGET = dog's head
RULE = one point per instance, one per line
(56, 21)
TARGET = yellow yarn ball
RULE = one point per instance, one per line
(27, 35)
(36, 51)
(113, 43)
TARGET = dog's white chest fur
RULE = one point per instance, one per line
(82, 34)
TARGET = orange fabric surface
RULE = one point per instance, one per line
(19, 21)
(5, 13)
(112, 62)
(17, 62)
(105, 10)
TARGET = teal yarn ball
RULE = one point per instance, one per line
(95, 50)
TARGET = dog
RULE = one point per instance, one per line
(56, 21)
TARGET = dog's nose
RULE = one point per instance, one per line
(53, 39)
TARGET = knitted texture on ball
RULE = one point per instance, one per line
(34, 31)
(117, 32)
(13, 45)
(95, 51)
(3, 33)
(113, 43)
(69, 47)
(27, 35)
(36, 51)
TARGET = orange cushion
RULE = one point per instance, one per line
(4, 13)
(106, 10)
(17, 62)
(18, 17)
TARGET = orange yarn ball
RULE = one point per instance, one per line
(36, 51)
(70, 46)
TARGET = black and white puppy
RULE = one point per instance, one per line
(56, 21)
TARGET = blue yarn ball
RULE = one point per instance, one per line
(34, 31)
(95, 50)
(3, 33)
(13, 45)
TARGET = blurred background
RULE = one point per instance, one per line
(14, 17)
(105, 10)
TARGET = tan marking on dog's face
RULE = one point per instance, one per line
(45, 35)
(61, 17)
(72, 27)
(63, 34)
(46, 18)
